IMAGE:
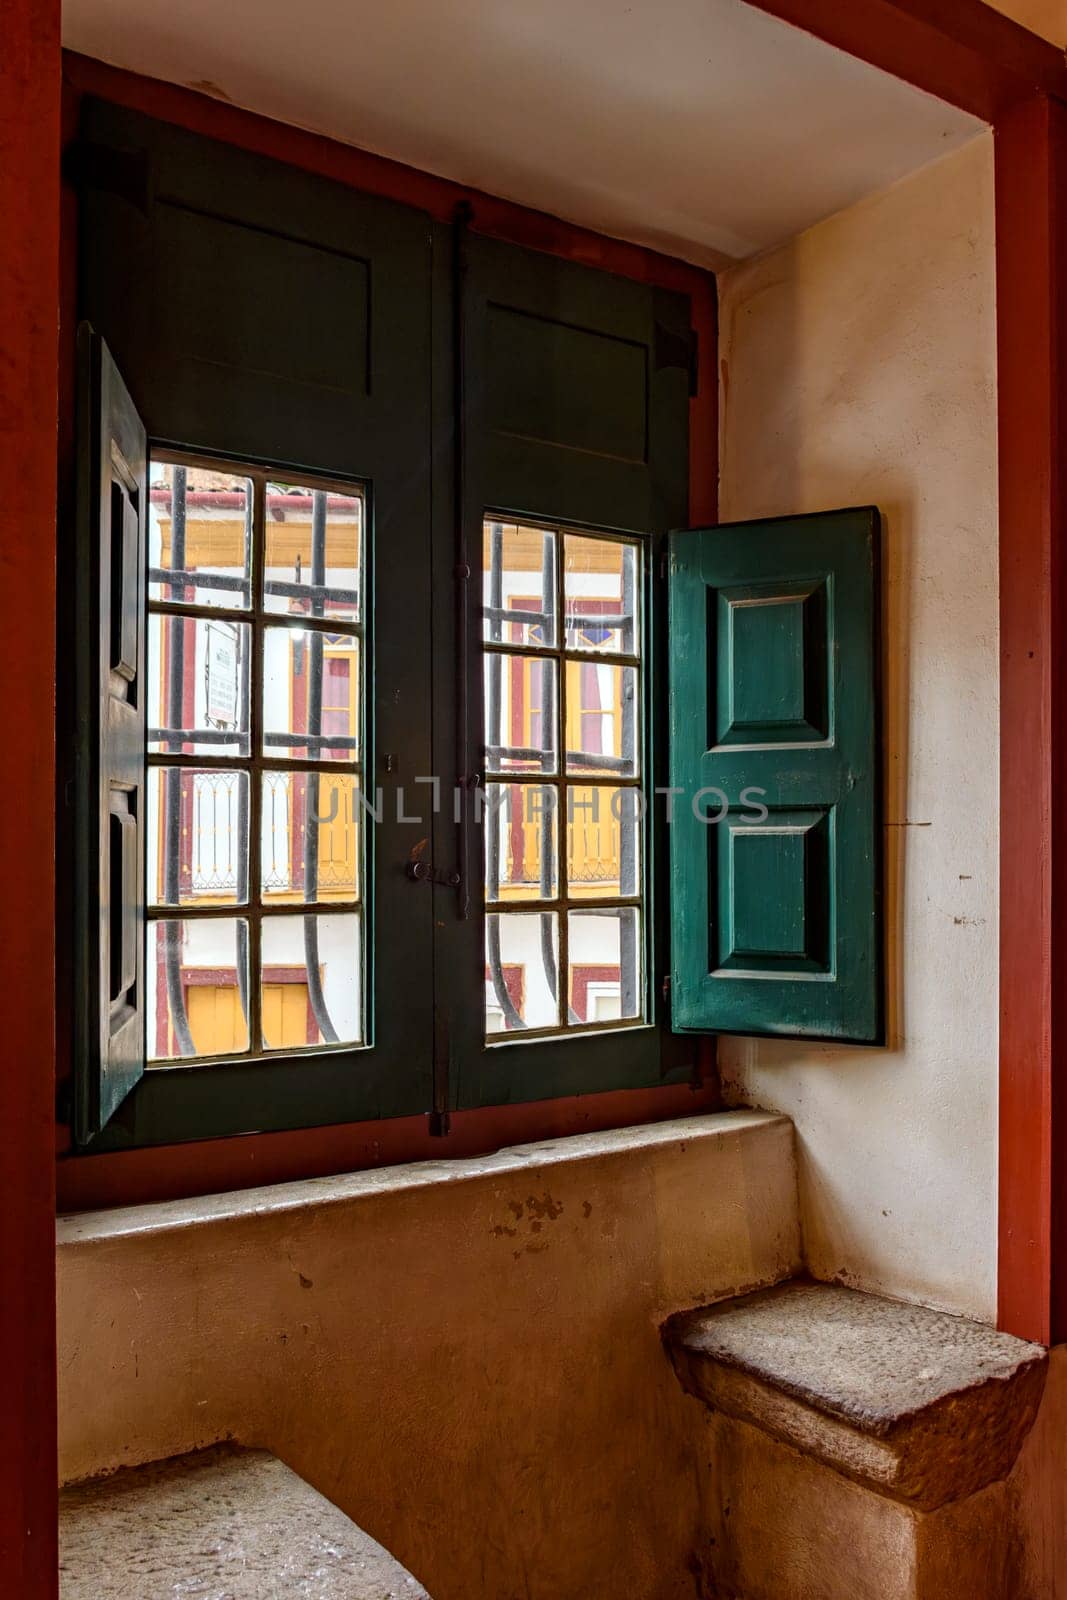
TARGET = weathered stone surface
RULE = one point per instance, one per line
(219, 1524)
(914, 1403)
(471, 1367)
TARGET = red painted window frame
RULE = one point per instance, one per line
(30, 119)
(1031, 209)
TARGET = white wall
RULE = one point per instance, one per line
(858, 366)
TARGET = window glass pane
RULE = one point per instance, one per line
(604, 956)
(311, 692)
(521, 971)
(519, 821)
(521, 713)
(198, 675)
(199, 536)
(601, 590)
(312, 990)
(602, 722)
(519, 600)
(197, 981)
(206, 822)
(314, 540)
(598, 716)
(603, 840)
(312, 823)
(197, 836)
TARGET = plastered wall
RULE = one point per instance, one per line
(858, 367)
(465, 1357)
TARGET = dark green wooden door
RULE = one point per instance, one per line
(773, 647)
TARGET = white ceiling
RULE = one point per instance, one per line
(701, 127)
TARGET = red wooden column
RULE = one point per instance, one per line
(29, 301)
(1031, 197)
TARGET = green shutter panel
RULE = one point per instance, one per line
(110, 786)
(775, 859)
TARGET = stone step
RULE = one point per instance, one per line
(918, 1405)
(223, 1522)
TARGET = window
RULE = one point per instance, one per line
(563, 696)
(255, 608)
(381, 715)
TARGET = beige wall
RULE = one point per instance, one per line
(1047, 17)
(465, 1357)
(858, 366)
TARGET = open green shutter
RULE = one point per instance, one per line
(775, 860)
(110, 787)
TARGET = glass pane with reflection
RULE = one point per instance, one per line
(521, 971)
(519, 823)
(602, 594)
(198, 676)
(311, 694)
(199, 536)
(311, 832)
(197, 988)
(314, 545)
(521, 712)
(602, 718)
(519, 599)
(197, 836)
(312, 990)
(604, 957)
(603, 840)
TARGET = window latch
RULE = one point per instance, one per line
(422, 872)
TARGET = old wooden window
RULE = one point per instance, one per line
(565, 791)
(255, 720)
(375, 675)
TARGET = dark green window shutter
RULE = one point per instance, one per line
(110, 790)
(775, 859)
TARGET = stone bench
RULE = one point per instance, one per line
(885, 1427)
(219, 1524)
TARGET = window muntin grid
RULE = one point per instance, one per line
(563, 641)
(226, 739)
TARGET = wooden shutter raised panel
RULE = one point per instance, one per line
(775, 830)
(110, 788)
